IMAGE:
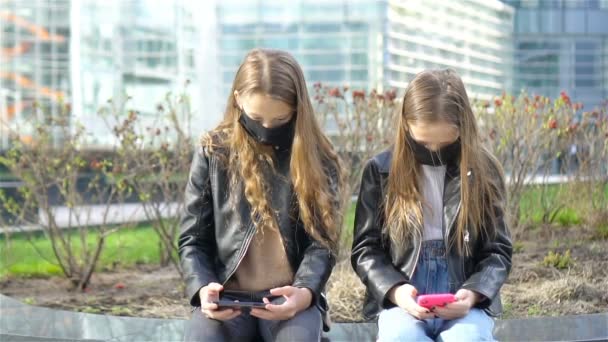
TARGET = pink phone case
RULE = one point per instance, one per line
(431, 300)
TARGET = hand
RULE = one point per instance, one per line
(296, 300)
(465, 300)
(208, 295)
(404, 296)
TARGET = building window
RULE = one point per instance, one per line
(597, 21)
(575, 21)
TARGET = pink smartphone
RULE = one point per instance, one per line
(431, 300)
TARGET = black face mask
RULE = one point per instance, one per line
(449, 154)
(280, 137)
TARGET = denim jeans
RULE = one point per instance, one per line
(431, 276)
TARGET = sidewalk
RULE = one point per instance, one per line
(93, 215)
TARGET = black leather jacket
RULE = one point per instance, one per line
(216, 232)
(381, 267)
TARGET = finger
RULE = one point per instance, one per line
(209, 306)
(438, 315)
(257, 312)
(449, 313)
(416, 315)
(447, 316)
(420, 309)
(450, 306)
(264, 314)
(427, 315)
(457, 306)
(462, 294)
(210, 296)
(235, 314)
(448, 309)
(207, 313)
(265, 300)
(204, 295)
(283, 291)
(222, 315)
(214, 288)
(441, 311)
(422, 316)
(282, 309)
(411, 305)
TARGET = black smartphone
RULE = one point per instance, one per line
(230, 304)
(243, 299)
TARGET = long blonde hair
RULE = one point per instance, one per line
(313, 160)
(432, 96)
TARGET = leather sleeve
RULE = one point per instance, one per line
(369, 258)
(493, 261)
(318, 261)
(197, 246)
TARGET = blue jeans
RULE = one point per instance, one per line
(431, 276)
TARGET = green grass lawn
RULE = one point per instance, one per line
(567, 199)
(349, 223)
(24, 258)
(20, 257)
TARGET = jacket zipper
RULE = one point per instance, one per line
(248, 240)
(448, 228)
(466, 239)
(466, 236)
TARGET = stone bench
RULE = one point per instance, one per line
(20, 322)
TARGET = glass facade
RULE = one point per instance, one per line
(34, 60)
(86, 52)
(373, 43)
(141, 49)
(562, 45)
(89, 51)
(336, 42)
(472, 37)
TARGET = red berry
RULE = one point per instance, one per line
(553, 124)
(335, 92)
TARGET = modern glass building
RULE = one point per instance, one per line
(34, 60)
(562, 45)
(374, 43)
(337, 42)
(89, 51)
(86, 52)
(473, 37)
(142, 49)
